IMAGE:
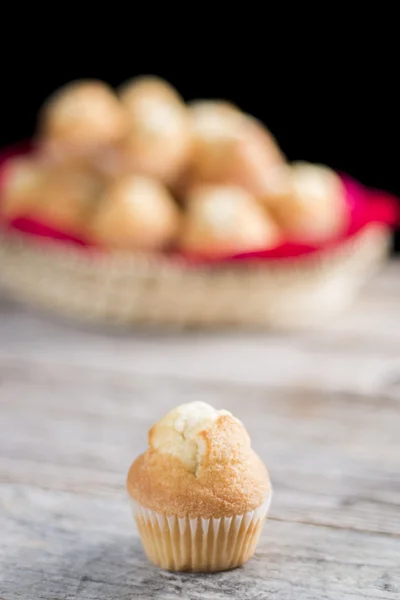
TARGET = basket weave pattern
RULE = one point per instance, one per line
(125, 289)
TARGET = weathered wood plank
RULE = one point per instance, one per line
(322, 409)
(314, 362)
(60, 545)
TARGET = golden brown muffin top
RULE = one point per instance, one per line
(135, 212)
(83, 112)
(199, 463)
(308, 201)
(225, 219)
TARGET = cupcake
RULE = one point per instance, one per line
(223, 220)
(308, 201)
(135, 213)
(230, 147)
(199, 493)
(79, 121)
(158, 139)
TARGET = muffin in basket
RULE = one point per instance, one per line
(200, 494)
(223, 219)
(62, 196)
(308, 201)
(22, 181)
(136, 212)
(79, 122)
(158, 138)
(229, 147)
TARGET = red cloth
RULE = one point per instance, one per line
(366, 207)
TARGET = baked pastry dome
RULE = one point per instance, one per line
(67, 198)
(230, 146)
(158, 137)
(199, 463)
(135, 213)
(81, 116)
(308, 201)
(21, 186)
(225, 219)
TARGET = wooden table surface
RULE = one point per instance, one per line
(323, 409)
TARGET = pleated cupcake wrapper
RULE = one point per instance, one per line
(121, 289)
(202, 545)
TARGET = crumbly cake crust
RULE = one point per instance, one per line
(228, 479)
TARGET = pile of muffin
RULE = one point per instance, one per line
(140, 169)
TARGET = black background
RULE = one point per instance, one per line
(329, 99)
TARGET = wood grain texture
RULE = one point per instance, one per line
(323, 410)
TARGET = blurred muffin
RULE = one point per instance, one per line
(200, 493)
(308, 201)
(23, 180)
(110, 162)
(79, 120)
(135, 213)
(225, 220)
(158, 142)
(147, 88)
(68, 197)
(260, 153)
(216, 126)
(230, 147)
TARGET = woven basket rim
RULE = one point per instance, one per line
(125, 289)
(176, 263)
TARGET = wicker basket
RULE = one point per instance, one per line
(123, 289)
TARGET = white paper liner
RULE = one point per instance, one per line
(199, 545)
